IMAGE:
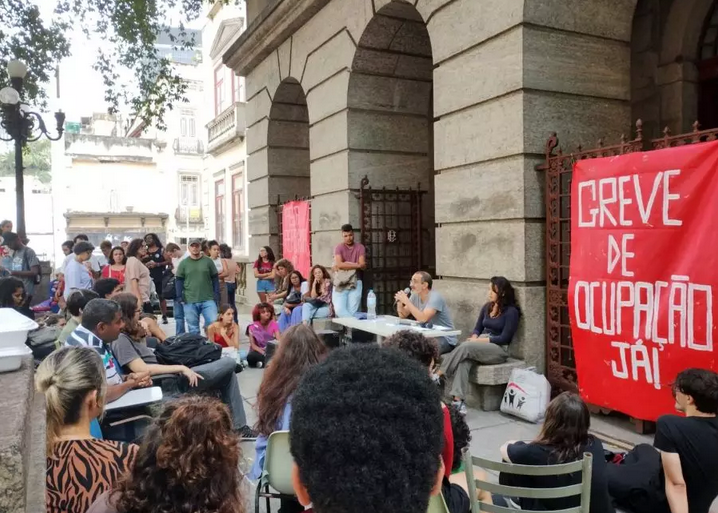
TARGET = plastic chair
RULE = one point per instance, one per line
(437, 504)
(583, 488)
(277, 472)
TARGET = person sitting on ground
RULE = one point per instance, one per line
(366, 434)
(683, 455)
(282, 269)
(79, 466)
(107, 288)
(291, 314)
(188, 462)
(563, 438)
(454, 487)
(224, 331)
(116, 267)
(77, 275)
(100, 326)
(51, 304)
(318, 301)
(75, 304)
(489, 342)
(134, 356)
(426, 306)
(299, 350)
(12, 295)
(263, 330)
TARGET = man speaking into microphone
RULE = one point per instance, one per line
(427, 307)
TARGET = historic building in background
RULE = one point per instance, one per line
(458, 98)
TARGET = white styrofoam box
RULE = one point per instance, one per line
(14, 328)
(11, 357)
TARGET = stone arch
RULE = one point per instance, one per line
(390, 113)
(288, 143)
(665, 82)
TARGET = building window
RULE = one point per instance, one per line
(236, 88)
(187, 124)
(189, 191)
(219, 96)
(219, 210)
(238, 209)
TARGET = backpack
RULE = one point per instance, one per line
(187, 349)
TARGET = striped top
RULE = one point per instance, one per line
(84, 337)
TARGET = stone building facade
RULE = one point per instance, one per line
(459, 96)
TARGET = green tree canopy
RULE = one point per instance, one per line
(36, 160)
(128, 30)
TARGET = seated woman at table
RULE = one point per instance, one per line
(263, 330)
(489, 342)
(292, 308)
(80, 467)
(318, 301)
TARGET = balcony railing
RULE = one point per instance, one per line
(194, 213)
(226, 128)
(188, 146)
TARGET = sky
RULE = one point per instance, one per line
(81, 87)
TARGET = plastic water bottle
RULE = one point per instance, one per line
(371, 305)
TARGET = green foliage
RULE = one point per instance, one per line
(36, 160)
(128, 30)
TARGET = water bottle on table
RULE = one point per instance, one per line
(371, 305)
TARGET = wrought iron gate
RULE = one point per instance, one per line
(391, 232)
(560, 364)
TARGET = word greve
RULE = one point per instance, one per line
(614, 201)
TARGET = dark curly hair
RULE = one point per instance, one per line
(462, 435)
(188, 462)
(415, 345)
(365, 417)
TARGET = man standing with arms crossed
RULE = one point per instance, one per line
(349, 256)
(197, 278)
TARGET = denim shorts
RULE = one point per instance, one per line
(265, 286)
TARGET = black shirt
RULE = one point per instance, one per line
(157, 271)
(695, 439)
(500, 329)
(535, 454)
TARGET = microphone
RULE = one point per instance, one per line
(407, 291)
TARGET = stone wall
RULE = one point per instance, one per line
(505, 74)
(22, 442)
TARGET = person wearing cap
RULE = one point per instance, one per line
(196, 280)
(22, 264)
(77, 275)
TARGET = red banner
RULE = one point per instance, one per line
(644, 262)
(295, 235)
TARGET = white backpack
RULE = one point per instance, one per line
(527, 395)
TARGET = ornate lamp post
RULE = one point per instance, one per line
(21, 125)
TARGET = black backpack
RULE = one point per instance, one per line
(187, 349)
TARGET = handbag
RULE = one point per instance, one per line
(168, 285)
(294, 298)
(527, 395)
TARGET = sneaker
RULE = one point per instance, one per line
(260, 365)
(246, 432)
(164, 320)
(460, 406)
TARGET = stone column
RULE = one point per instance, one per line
(507, 73)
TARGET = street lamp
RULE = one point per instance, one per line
(22, 125)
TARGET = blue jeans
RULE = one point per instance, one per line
(192, 311)
(310, 312)
(285, 321)
(346, 302)
(178, 314)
